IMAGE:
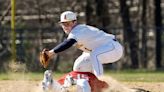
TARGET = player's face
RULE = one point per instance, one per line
(67, 26)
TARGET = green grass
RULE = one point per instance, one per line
(137, 76)
(35, 76)
(125, 76)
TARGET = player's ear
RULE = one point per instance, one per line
(74, 21)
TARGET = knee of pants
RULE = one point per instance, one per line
(83, 85)
(83, 64)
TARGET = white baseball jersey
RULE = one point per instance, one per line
(88, 37)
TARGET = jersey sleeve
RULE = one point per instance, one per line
(72, 36)
(64, 45)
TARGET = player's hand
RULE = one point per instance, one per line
(50, 53)
(45, 57)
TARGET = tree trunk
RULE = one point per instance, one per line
(158, 25)
(144, 35)
(102, 12)
(130, 35)
(91, 17)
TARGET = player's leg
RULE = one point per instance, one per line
(56, 87)
(48, 84)
(83, 63)
(79, 79)
(47, 80)
(96, 65)
(107, 53)
(83, 85)
(94, 82)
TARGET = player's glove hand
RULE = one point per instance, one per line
(45, 57)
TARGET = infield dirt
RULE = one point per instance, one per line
(33, 86)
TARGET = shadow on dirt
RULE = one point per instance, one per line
(140, 90)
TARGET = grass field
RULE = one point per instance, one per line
(27, 82)
(125, 76)
(138, 76)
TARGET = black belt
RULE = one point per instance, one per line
(114, 39)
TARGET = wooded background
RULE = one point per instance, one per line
(138, 25)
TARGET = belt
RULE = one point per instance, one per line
(91, 50)
(114, 39)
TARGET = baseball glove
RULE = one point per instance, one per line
(44, 58)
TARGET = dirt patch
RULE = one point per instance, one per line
(19, 86)
(151, 86)
(33, 86)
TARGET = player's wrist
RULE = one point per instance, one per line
(51, 52)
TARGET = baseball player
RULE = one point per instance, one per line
(98, 47)
(84, 81)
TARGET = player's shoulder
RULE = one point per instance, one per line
(85, 27)
(79, 28)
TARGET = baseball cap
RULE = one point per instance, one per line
(68, 16)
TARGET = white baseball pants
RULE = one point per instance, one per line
(92, 62)
(83, 85)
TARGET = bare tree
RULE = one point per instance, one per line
(130, 35)
(102, 13)
(144, 34)
(158, 25)
(91, 17)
